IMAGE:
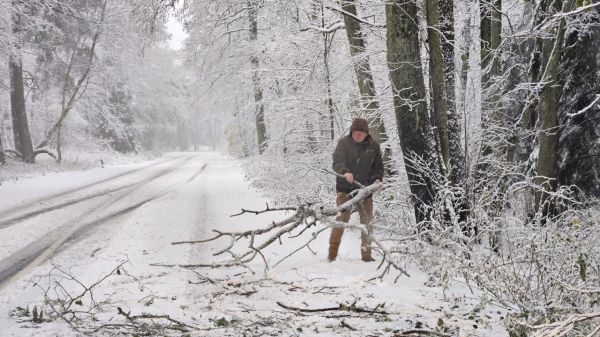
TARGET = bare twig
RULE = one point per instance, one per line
(180, 326)
(341, 307)
(80, 310)
(346, 325)
(268, 209)
(409, 333)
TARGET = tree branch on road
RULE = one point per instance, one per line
(304, 217)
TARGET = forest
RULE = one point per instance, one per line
(487, 112)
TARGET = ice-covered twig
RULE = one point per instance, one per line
(267, 209)
(562, 328)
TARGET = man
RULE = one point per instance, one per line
(358, 158)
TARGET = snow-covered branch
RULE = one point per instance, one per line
(562, 328)
(582, 111)
(577, 11)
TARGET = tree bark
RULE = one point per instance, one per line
(464, 72)
(329, 101)
(2, 154)
(491, 28)
(457, 155)
(578, 144)
(528, 118)
(362, 69)
(17, 99)
(548, 115)
(261, 132)
(416, 136)
(438, 83)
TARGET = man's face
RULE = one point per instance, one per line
(359, 136)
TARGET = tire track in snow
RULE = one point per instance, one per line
(48, 245)
(20, 260)
(197, 173)
(11, 221)
(85, 228)
(11, 211)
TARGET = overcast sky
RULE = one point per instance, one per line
(178, 35)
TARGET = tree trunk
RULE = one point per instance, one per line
(362, 69)
(457, 156)
(491, 28)
(326, 46)
(579, 145)
(529, 116)
(438, 83)
(525, 142)
(17, 99)
(489, 177)
(548, 115)
(464, 72)
(416, 136)
(261, 132)
(2, 154)
(441, 70)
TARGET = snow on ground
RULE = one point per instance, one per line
(134, 217)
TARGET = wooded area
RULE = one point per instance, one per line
(488, 111)
(89, 77)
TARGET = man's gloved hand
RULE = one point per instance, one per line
(349, 177)
(379, 184)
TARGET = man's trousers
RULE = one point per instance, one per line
(365, 211)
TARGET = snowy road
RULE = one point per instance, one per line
(78, 218)
(92, 220)
(62, 231)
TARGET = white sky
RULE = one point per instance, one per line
(178, 35)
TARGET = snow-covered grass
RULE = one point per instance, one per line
(72, 161)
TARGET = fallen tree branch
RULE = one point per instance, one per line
(268, 209)
(13, 153)
(346, 325)
(409, 333)
(43, 151)
(247, 233)
(303, 217)
(180, 326)
(305, 245)
(340, 307)
(83, 305)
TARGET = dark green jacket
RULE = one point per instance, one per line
(363, 160)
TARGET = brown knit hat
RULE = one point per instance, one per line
(360, 124)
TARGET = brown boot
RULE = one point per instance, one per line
(332, 253)
(334, 242)
(365, 248)
(365, 252)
